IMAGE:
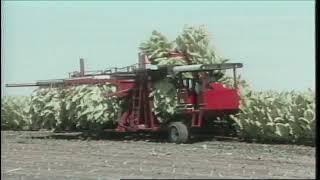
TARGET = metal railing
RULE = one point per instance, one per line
(108, 71)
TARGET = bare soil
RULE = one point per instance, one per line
(47, 155)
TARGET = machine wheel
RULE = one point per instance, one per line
(178, 132)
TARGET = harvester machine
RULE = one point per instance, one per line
(201, 99)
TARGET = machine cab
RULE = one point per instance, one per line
(203, 90)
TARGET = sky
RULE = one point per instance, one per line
(41, 40)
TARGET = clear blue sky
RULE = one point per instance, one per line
(43, 40)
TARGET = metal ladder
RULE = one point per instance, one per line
(137, 102)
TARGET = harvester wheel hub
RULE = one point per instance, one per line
(174, 134)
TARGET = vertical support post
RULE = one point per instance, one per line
(180, 82)
(81, 67)
(205, 82)
(149, 121)
(142, 64)
(234, 77)
(200, 118)
(139, 60)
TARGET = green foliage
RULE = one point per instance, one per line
(193, 44)
(156, 48)
(73, 108)
(45, 108)
(87, 108)
(14, 113)
(277, 116)
(164, 100)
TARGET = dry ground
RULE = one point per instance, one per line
(45, 155)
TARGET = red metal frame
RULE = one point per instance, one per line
(213, 99)
(139, 115)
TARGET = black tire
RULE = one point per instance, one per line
(178, 132)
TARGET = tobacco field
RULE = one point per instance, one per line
(265, 117)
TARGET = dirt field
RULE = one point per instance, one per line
(45, 155)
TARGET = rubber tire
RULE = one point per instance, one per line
(182, 130)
